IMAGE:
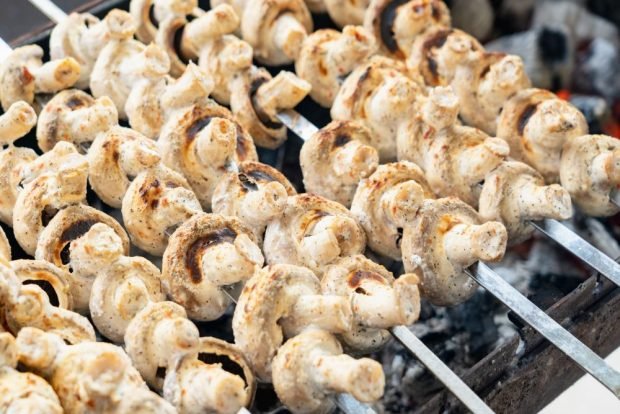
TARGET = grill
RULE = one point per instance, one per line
(506, 362)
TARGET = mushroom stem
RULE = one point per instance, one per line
(99, 247)
(38, 350)
(441, 108)
(216, 143)
(177, 207)
(217, 22)
(262, 205)
(477, 161)
(321, 247)
(135, 157)
(362, 378)
(131, 297)
(120, 24)
(401, 202)
(56, 75)
(354, 160)
(152, 62)
(16, 122)
(543, 201)
(173, 337)
(191, 87)
(328, 312)
(117, 24)
(71, 188)
(502, 80)
(224, 264)
(288, 35)
(605, 169)
(213, 389)
(282, 92)
(465, 244)
(86, 122)
(349, 49)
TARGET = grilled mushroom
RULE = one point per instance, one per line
(5, 247)
(311, 367)
(388, 201)
(313, 232)
(157, 201)
(74, 116)
(204, 143)
(344, 13)
(23, 392)
(256, 194)
(514, 193)
(398, 23)
(536, 124)
(14, 124)
(23, 74)
(327, 56)
(215, 379)
(590, 172)
(148, 14)
(278, 302)
(378, 300)
(446, 237)
(115, 158)
(336, 158)
(66, 242)
(205, 255)
(256, 98)
(90, 376)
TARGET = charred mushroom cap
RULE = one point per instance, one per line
(590, 172)
(256, 98)
(221, 366)
(68, 228)
(313, 232)
(205, 254)
(278, 302)
(76, 117)
(114, 158)
(255, 194)
(311, 367)
(484, 85)
(23, 74)
(344, 13)
(536, 124)
(447, 237)
(5, 247)
(203, 143)
(378, 300)
(388, 201)
(514, 193)
(148, 14)
(336, 158)
(157, 201)
(439, 52)
(327, 56)
(44, 301)
(398, 23)
(156, 336)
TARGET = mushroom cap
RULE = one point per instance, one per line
(321, 162)
(5, 247)
(346, 12)
(536, 124)
(23, 392)
(107, 176)
(120, 291)
(384, 234)
(588, 191)
(157, 201)
(182, 265)
(149, 13)
(380, 17)
(284, 237)
(12, 161)
(57, 123)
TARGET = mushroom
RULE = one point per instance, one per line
(388, 201)
(279, 302)
(536, 124)
(256, 194)
(115, 157)
(398, 23)
(378, 301)
(14, 124)
(148, 15)
(221, 366)
(89, 376)
(204, 143)
(44, 301)
(158, 335)
(5, 247)
(379, 95)
(23, 74)
(274, 28)
(590, 171)
(445, 238)
(327, 56)
(313, 232)
(157, 201)
(256, 98)
(74, 116)
(67, 243)
(82, 36)
(49, 192)
(345, 13)
(336, 158)
(514, 193)
(311, 367)
(205, 255)
(23, 392)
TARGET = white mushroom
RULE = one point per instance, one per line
(5, 247)
(148, 14)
